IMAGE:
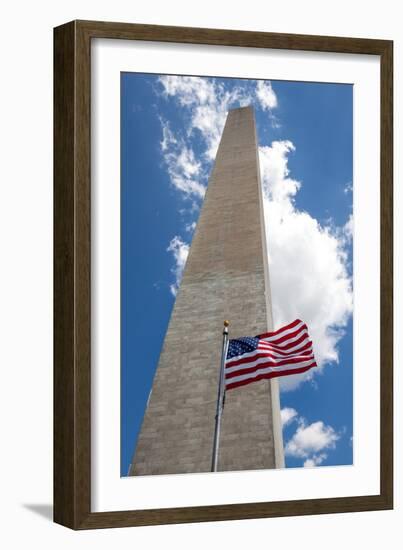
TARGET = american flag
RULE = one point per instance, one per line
(285, 351)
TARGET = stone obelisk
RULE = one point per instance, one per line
(226, 277)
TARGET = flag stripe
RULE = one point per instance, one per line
(280, 330)
(268, 375)
(299, 348)
(283, 352)
(289, 339)
(263, 361)
(278, 340)
(266, 353)
(293, 342)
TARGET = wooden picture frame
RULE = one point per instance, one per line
(72, 270)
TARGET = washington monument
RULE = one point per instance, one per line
(226, 277)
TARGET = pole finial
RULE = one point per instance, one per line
(226, 323)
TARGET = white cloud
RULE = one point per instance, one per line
(279, 188)
(190, 90)
(308, 263)
(266, 96)
(168, 139)
(348, 188)
(187, 162)
(190, 227)
(316, 460)
(348, 228)
(184, 171)
(309, 441)
(288, 414)
(309, 463)
(180, 251)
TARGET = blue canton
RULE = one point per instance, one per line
(241, 346)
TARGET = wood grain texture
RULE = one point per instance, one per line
(387, 273)
(72, 297)
(72, 264)
(64, 380)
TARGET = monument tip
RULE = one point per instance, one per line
(244, 108)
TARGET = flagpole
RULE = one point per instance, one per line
(220, 398)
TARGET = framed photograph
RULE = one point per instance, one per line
(223, 293)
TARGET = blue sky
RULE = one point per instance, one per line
(170, 129)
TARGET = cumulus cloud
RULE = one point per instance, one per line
(180, 251)
(310, 440)
(288, 414)
(316, 460)
(308, 262)
(265, 94)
